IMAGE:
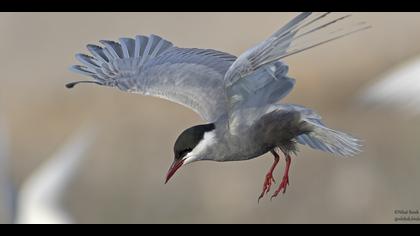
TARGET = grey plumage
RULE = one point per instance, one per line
(166, 75)
(238, 95)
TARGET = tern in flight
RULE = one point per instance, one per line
(236, 96)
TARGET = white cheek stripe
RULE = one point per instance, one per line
(200, 150)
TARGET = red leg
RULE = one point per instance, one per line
(285, 180)
(269, 177)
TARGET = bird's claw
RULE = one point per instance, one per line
(267, 185)
(283, 186)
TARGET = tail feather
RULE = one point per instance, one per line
(329, 140)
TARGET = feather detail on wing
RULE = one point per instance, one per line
(267, 86)
(116, 61)
(249, 97)
(153, 66)
(305, 31)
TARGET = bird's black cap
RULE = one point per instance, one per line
(189, 138)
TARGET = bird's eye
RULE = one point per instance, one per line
(185, 152)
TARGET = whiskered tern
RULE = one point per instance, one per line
(236, 96)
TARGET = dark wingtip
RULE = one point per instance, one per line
(71, 85)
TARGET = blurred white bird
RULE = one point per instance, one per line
(398, 88)
(39, 199)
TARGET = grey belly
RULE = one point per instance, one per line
(242, 147)
(275, 129)
(236, 148)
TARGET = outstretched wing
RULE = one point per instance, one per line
(152, 66)
(256, 79)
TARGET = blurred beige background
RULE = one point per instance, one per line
(122, 178)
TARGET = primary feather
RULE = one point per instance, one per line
(303, 32)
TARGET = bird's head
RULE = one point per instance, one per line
(190, 145)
